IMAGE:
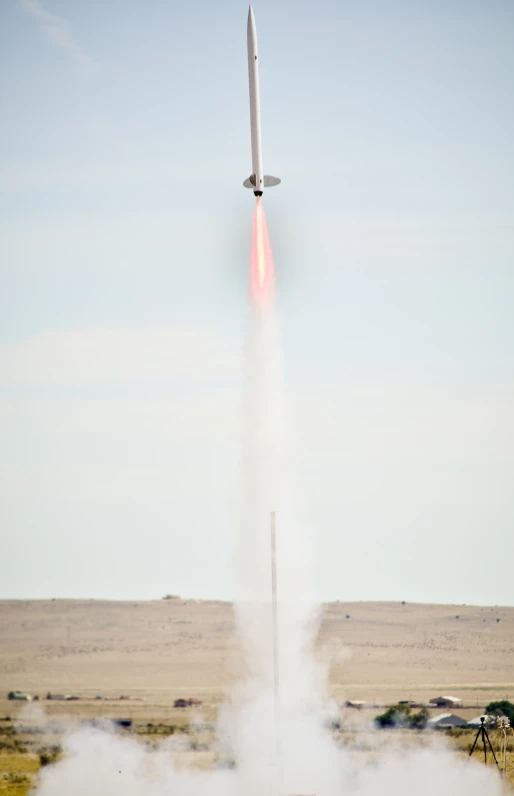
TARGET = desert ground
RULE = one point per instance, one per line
(151, 653)
(154, 652)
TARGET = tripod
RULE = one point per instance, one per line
(482, 732)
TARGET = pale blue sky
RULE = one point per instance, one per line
(124, 244)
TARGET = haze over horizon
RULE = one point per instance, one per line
(124, 251)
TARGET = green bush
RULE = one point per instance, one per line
(49, 756)
(14, 778)
(419, 720)
(396, 716)
(501, 708)
(402, 716)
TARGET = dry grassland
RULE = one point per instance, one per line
(156, 651)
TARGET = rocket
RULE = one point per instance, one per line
(257, 180)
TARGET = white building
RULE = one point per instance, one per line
(445, 720)
(446, 701)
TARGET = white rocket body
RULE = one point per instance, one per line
(257, 181)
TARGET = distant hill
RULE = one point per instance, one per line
(379, 651)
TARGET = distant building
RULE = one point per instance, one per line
(446, 702)
(62, 697)
(445, 720)
(19, 695)
(186, 703)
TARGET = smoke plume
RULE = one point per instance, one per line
(281, 743)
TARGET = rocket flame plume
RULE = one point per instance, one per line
(262, 269)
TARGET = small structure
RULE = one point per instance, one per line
(186, 703)
(21, 696)
(444, 721)
(446, 702)
(358, 704)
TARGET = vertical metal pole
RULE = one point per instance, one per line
(504, 749)
(276, 674)
(276, 668)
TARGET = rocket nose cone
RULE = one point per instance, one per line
(251, 32)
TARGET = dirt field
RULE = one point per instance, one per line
(154, 652)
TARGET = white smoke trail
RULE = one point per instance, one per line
(306, 760)
(267, 488)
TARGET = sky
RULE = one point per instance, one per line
(124, 254)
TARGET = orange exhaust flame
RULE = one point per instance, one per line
(262, 269)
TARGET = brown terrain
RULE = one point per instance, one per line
(132, 660)
(154, 652)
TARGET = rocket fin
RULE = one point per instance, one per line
(269, 182)
(250, 182)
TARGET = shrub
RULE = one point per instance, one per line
(402, 716)
(394, 717)
(501, 708)
(14, 778)
(49, 756)
(419, 720)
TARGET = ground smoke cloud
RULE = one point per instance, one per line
(280, 748)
